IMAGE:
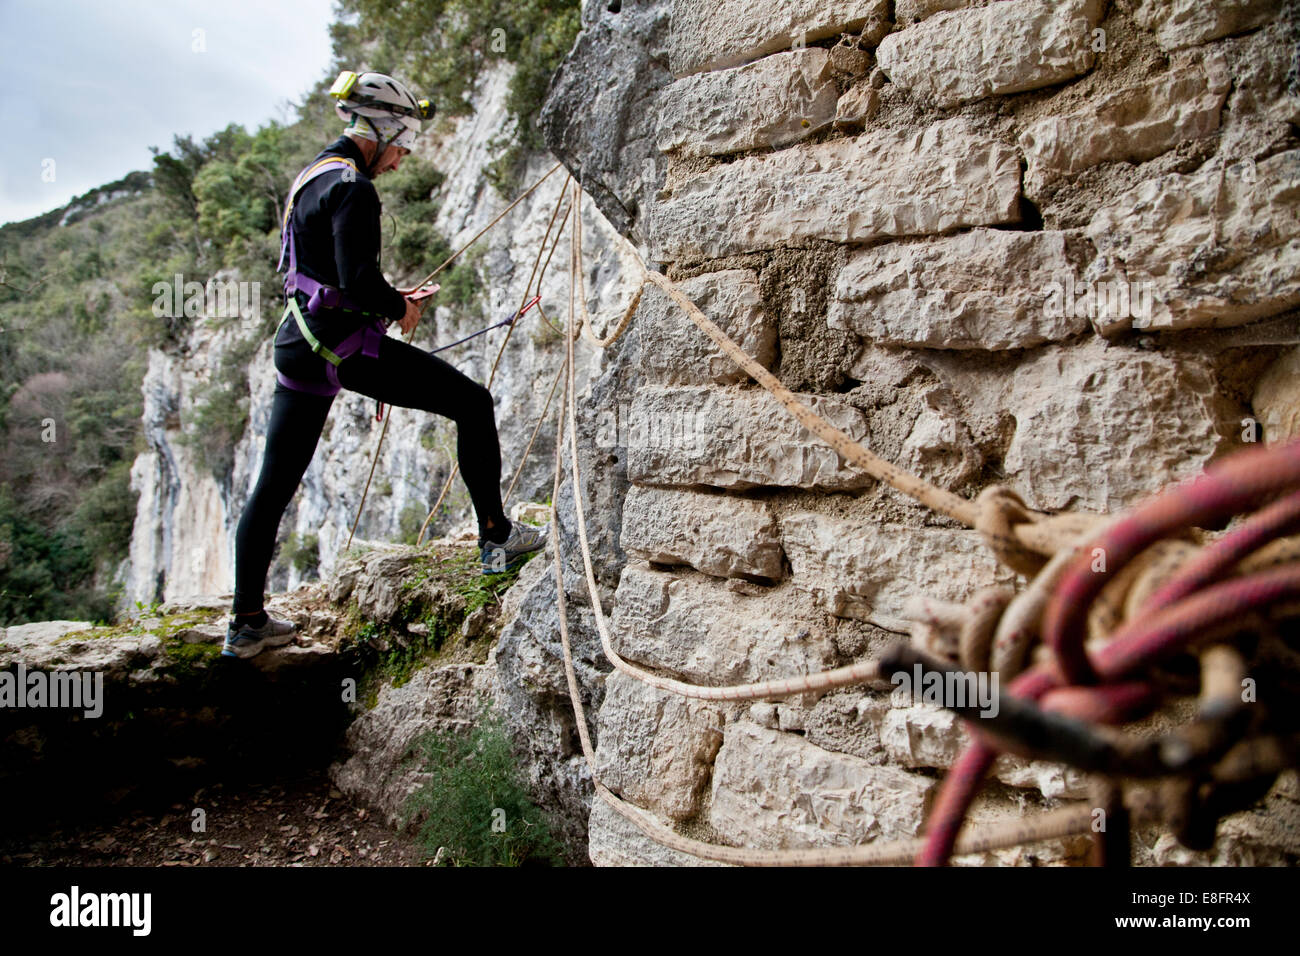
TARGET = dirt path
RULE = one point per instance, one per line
(298, 822)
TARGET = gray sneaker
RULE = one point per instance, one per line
(246, 641)
(524, 540)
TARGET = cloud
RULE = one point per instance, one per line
(92, 85)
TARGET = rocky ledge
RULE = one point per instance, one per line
(393, 644)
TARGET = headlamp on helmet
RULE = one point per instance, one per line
(344, 85)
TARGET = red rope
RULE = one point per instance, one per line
(1184, 608)
(1217, 559)
(1111, 704)
(1150, 639)
(1232, 486)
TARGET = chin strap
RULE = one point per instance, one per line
(382, 147)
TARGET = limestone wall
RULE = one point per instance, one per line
(909, 212)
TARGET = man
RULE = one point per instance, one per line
(333, 336)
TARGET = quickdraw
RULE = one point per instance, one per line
(508, 321)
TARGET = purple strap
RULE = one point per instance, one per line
(322, 296)
(365, 340)
(313, 388)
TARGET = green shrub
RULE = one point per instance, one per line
(475, 804)
(303, 553)
(445, 63)
(105, 516)
(410, 522)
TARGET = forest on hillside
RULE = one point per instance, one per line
(77, 284)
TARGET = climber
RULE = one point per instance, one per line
(338, 306)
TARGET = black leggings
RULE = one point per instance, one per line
(402, 375)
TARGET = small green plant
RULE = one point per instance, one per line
(303, 553)
(218, 414)
(462, 573)
(544, 333)
(475, 805)
(410, 522)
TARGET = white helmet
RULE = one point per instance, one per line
(380, 108)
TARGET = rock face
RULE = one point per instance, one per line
(680, 355)
(1006, 47)
(879, 184)
(1221, 246)
(1182, 23)
(907, 11)
(607, 128)
(775, 791)
(180, 546)
(380, 769)
(773, 102)
(982, 289)
(616, 841)
(1277, 398)
(1135, 124)
(721, 535)
(727, 439)
(866, 570)
(686, 625)
(1097, 427)
(657, 748)
(714, 36)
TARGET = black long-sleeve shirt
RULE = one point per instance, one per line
(335, 227)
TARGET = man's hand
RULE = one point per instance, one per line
(414, 310)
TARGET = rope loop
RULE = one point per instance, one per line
(1000, 510)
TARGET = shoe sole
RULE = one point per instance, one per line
(245, 651)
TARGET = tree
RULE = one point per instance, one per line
(443, 45)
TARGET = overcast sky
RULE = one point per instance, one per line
(92, 85)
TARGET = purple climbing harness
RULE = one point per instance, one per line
(365, 340)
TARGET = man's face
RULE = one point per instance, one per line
(391, 159)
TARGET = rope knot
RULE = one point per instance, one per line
(999, 510)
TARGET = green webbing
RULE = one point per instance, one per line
(314, 342)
